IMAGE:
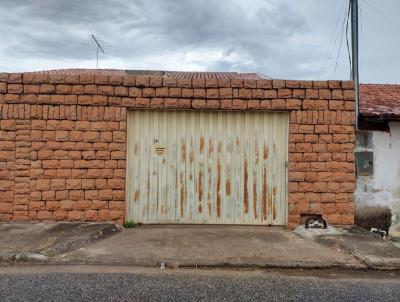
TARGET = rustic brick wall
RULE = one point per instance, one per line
(63, 140)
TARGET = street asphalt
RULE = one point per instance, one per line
(82, 284)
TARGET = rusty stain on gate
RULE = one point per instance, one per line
(207, 167)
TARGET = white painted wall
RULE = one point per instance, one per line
(383, 187)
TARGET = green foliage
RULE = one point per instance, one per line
(129, 224)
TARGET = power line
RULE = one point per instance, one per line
(382, 14)
(345, 21)
(347, 41)
(333, 40)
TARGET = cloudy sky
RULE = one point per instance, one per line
(297, 39)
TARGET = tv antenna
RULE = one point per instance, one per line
(99, 47)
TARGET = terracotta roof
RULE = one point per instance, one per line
(169, 74)
(215, 75)
(380, 101)
(78, 71)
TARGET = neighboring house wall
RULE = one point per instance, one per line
(383, 187)
(63, 140)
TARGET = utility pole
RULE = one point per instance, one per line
(354, 49)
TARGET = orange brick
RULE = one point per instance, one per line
(212, 93)
(199, 104)
(103, 215)
(293, 104)
(226, 104)
(155, 82)
(309, 104)
(325, 94)
(337, 94)
(157, 103)
(329, 208)
(170, 103)
(278, 84)
(169, 82)
(116, 214)
(67, 204)
(270, 94)
(75, 215)
(299, 93)
(279, 104)
(257, 93)
(284, 93)
(237, 83)
(312, 93)
(306, 129)
(44, 215)
(76, 194)
(105, 194)
(43, 184)
(142, 102)
(348, 219)
(121, 91)
(313, 197)
(149, 92)
(199, 93)
(58, 184)
(91, 194)
(91, 215)
(129, 81)
(15, 88)
(185, 103)
(91, 136)
(118, 194)
(73, 184)
(213, 104)
(116, 183)
(265, 104)
(244, 93)
(334, 218)
(99, 100)
(309, 156)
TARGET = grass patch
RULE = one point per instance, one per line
(129, 224)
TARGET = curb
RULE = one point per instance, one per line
(34, 258)
(40, 259)
(37, 259)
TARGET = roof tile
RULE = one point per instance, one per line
(381, 101)
(168, 74)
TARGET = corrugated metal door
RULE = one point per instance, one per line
(207, 167)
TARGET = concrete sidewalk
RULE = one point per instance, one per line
(39, 242)
(196, 246)
(367, 247)
(211, 246)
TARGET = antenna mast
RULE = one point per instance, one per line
(97, 50)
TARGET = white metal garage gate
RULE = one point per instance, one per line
(197, 167)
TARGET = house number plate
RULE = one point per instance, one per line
(160, 150)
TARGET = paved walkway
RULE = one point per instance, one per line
(213, 246)
(195, 246)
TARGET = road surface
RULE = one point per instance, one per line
(86, 283)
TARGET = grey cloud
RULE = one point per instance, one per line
(281, 38)
(60, 29)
